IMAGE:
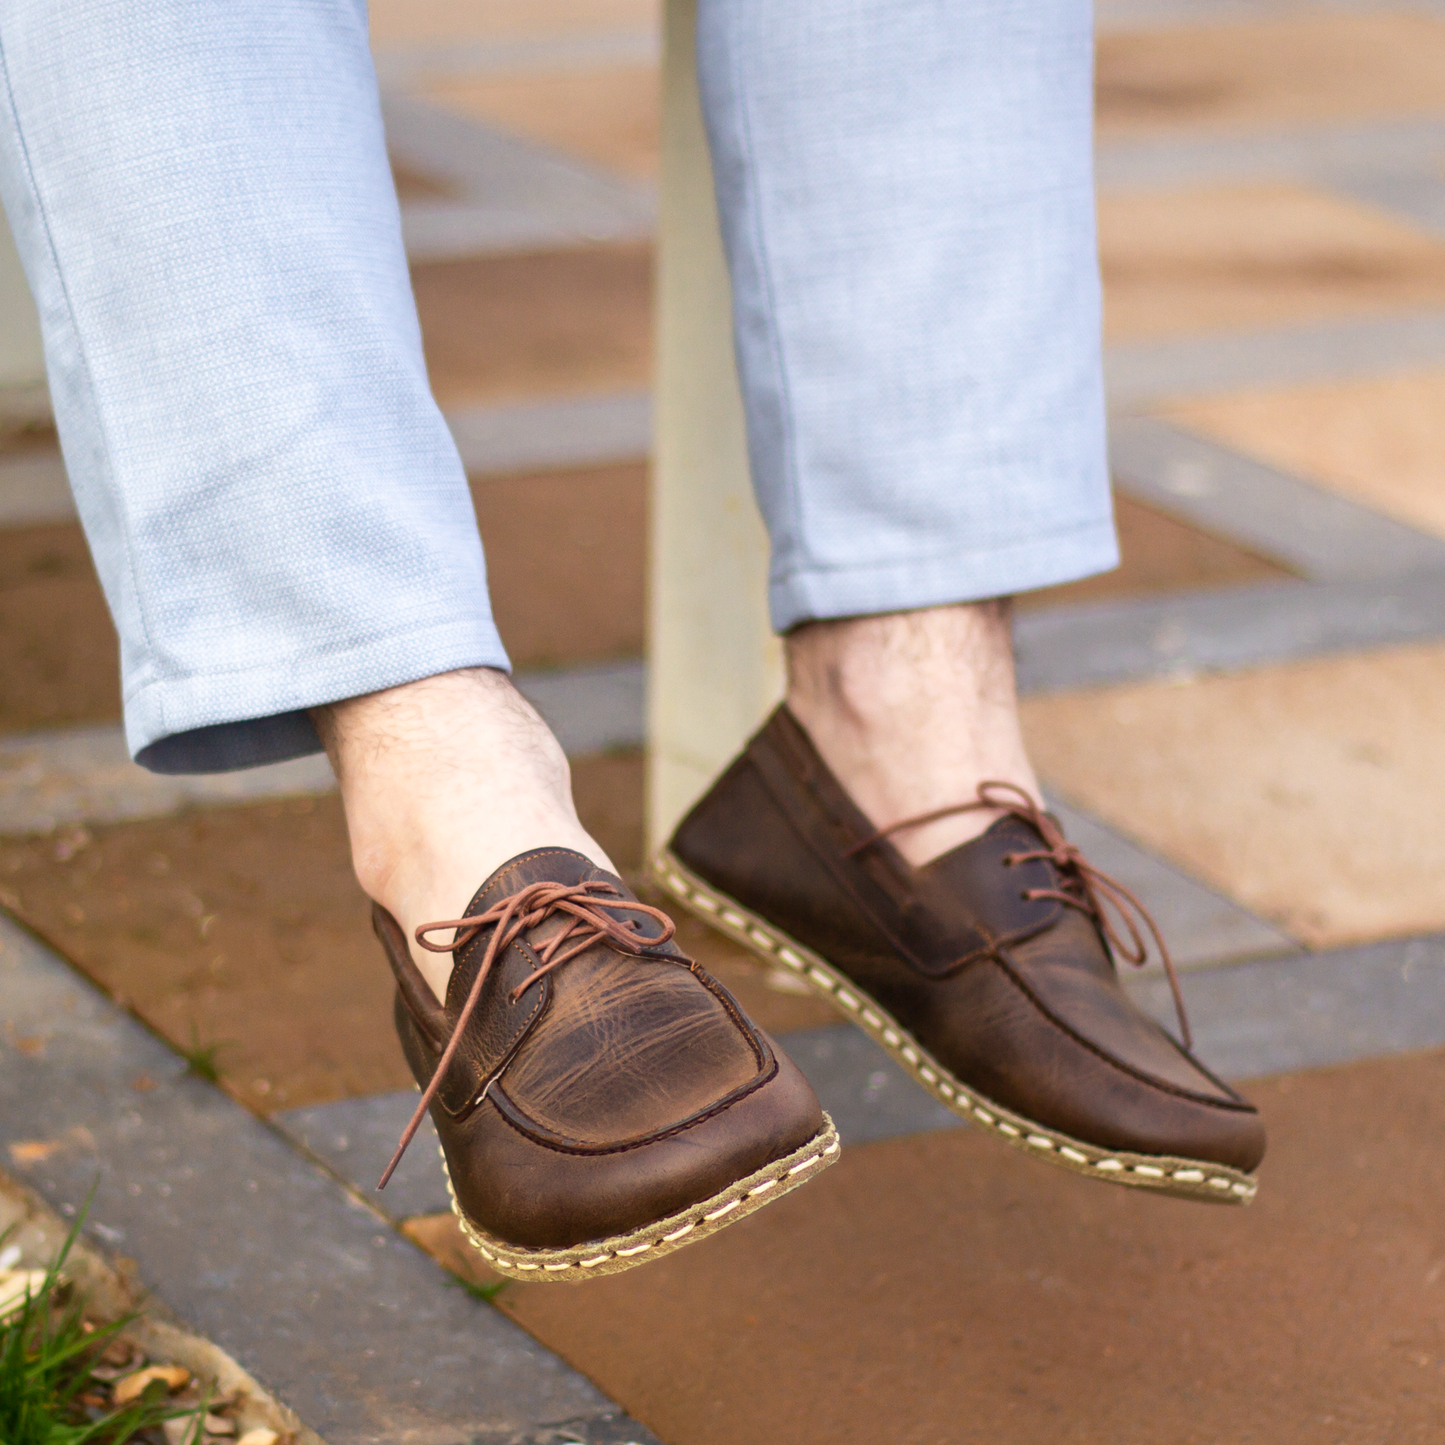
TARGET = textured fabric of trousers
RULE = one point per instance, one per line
(906, 195)
(201, 197)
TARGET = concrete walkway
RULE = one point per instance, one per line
(1243, 723)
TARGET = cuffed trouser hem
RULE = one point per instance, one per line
(939, 580)
(216, 723)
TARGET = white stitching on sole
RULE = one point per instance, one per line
(560, 1269)
(952, 1094)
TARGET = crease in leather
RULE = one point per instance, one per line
(804, 787)
(1050, 1032)
(1014, 973)
(672, 1047)
(530, 1190)
(528, 1127)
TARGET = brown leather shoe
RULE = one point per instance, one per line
(601, 1100)
(986, 973)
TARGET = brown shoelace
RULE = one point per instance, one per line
(588, 922)
(1086, 888)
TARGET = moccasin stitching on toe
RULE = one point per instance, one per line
(601, 1100)
(987, 973)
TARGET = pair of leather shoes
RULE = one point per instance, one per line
(602, 1100)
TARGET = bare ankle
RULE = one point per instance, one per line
(911, 711)
(444, 780)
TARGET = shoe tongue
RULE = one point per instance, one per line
(974, 878)
(541, 865)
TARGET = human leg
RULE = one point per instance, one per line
(284, 532)
(202, 200)
(907, 197)
(907, 207)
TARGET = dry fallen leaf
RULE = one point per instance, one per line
(15, 1285)
(34, 1151)
(176, 1377)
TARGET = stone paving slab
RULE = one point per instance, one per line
(511, 194)
(1419, 197)
(1377, 442)
(1140, 375)
(1202, 928)
(403, 65)
(557, 433)
(356, 1138)
(944, 1290)
(1229, 629)
(1305, 792)
(1320, 534)
(260, 1250)
(1329, 155)
(1311, 1010)
(69, 776)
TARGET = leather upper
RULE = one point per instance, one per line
(615, 1090)
(1018, 997)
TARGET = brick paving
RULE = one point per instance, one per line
(1270, 655)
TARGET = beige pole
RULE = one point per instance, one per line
(714, 667)
(22, 362)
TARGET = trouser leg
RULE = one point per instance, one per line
(907, 205)
(202, 201)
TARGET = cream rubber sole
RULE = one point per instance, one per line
(652, 1241)
(1185, 1178)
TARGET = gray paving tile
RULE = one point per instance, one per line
(1201, 928)
(592, 709)
(84, 775)
(403, 65)
(1325, 155)
(1313, 1009)
(511, 194)
(1324, 537)
(1223, 630)
(256, 1247)
(868, 1095)
(570, 432)
(1158, 14)
(1144, 374)
(356, 1138)
(1419, 198)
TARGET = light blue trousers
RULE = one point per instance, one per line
(201, 197)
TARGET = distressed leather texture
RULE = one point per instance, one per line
(616, 1090)
(1020, 999)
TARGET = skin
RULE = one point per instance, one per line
(445, 779)
(912, 711)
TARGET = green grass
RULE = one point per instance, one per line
(201, 1060)
(487, 1292)
(46, 1358)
